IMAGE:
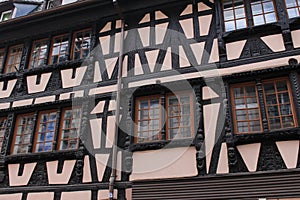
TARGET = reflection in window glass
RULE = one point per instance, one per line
(3, 124)
(59, 52)
(38, 53)
(1, 57)
(14, 58)
(234, 15)
(293, 8)
(81, 44)
(263, 12)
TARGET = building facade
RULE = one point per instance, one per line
(208, 100)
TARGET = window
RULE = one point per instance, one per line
(81, 44)
(38, 53)
(277, 101)
(263, 12)
(150, 114)
(14, 58)
(5, 15)
(70, 129)
(235, 15)
(59, 50)
(3, 124)
(293, 8)
(2, 51)
(45, 134)
(23, 133)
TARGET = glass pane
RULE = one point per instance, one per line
(241, 24)
(48, 146)
(283, 98)
(293, 12)
(256, 9)
(242, 127)
(254, 126)
(239, 103)
(288, 122)
(238, 92)
(144, 104)
(274, 123)
(239, 13)
(49, 136)
(273, 111)
(286, 110)
(268, 6)
(281, 86)
(229, 26)
(291, 3)
(271, 99)
(228, 15)
(250, 91)
(154, 103)
(251, 103)
(253, 114)
(258, 20)
(241, 115)
(270, 18)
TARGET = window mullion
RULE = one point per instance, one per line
(57, 129)
(295, 87)
(262, 105)
(30, 147)
(164, 117)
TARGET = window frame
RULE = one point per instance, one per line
(32, 49)
(164, 115)
(4, 13)
(74, 45)
(9, 55)
(50, 61)
(1, 129)
(287, 8)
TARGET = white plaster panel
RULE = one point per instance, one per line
(102, 90)
(67, 95)
(68, 81)
(11, 196)
(234, 49)
(20, 103)
(214, 55)
(4, 105)
(250, 154)
(44, 99)
(198, 49)
(211, 114)
(112, 105)
(110, 133)
(105, 42)
(145, 35)
(96, 129)
(152, 57)
(87, 177)
(97, 73)
(103, 194)
(117, 38)
(160, 15)
(64, 176)
(145, 19)
(208, 93)
(167, 63)
(118, 24)
(160, 32)
(164, 163)
(110, 65)
(188, 28)
(78, 195)
(14, 179)
(289, 151)
(203, 7)
(33, 87)
(128, 194)
(223, 160)
(10, 86)
(296, 38)
(138, 69)
(101, 163)
(274, 42)
(187, 10)
(41, 196)
(204, 22)
(98, 108)
(64, 2)
(183, 60)
(125, 66)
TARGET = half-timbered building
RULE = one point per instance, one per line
(177, 99)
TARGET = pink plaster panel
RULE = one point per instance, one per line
(14, 179)
(62, 178)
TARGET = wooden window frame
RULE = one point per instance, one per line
(234, 16)
(1, 129)
(20, 46)
(294, 7)
(38, 59)
(4, 13)
(73, 42)
(16, 130)
(62, 118)
(37, 131)
(67, 35)
(263, 12)
(2, 60)
(163, 115)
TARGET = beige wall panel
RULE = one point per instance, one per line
(211, 113)
(67, 95)
(167, 63)
(160, 32)
(145, 35)
(96, 130)
(80, 195)
(145, 19)
(105, 42)
(101, 163)
(62, 178)
(11, 196)
(10, 86)
(44, 99)
(214, 55)
(97, 72)
(250, 154)
(103, 194)
(234, 49)
(152, 57)
(198, 49)
(289, 151)
(274, 42)
(20, 103)
(4, 105)
(202, 7)
(68, 81)
(102, 90)
(87, 177)
(110, 133)
(14, 179)
(129, 194)
(32, 87)
(208, 93)
(187, 10)
(107, 27)
(183, 60)
(98, 108)
(138, 69)
(164, 163)
(223, 167)
(118, 24)
(204, 22)
(112, 105)
(296, 38)
(41, 196)
(160, 15)
(117, 38)
(188, 27)
(110, 65)
(125, 66)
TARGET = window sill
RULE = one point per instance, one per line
(162, 144)
(274, 135)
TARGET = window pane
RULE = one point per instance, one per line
(241, 24)
(234, 15)
(270, 18)
(257, 9)
(258, 20)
